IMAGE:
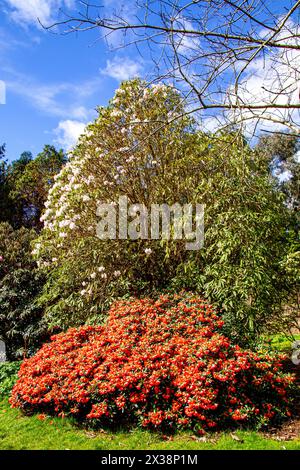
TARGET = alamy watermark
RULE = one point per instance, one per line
(2, 92)
(126, 221)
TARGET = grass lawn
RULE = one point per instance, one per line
(18, 432)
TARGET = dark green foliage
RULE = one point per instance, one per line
(281, 153)
(6, 208)
(8, 377)
(32, 180)
(24, 185)
(21, 324)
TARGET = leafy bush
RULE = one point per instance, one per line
(137, 148)
(21, 320)
(8, 376)
(164, 364)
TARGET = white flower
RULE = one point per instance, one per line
(64, 223)
(104, 276)
(72, 226)
(83, 284)
(148, 251)
(49, 226)
(101, 269)
(93, 275)
(83, 292)
(85, 198)
(116, 113)
(117, 273)
(54, 260)
(62, 234)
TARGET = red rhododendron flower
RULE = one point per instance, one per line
(163, 364)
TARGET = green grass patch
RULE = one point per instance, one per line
(283, 343)
(19, 432)
(280, 342)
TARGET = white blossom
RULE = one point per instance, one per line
(116, 113)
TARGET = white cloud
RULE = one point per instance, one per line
(2, 92)
(51, 99)
(185, 43)
(274, 79)
(63, 99)
(29, 11)
(122, 68)
(68, 132)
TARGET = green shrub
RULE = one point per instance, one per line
(21, 321)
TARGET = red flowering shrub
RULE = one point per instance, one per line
(163, 364)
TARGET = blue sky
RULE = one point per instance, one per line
(53, 82)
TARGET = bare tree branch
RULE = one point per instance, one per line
(238, 59)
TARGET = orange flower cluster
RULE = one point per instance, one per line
(163, 364)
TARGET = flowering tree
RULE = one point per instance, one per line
(129, 150)
(136, 148)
